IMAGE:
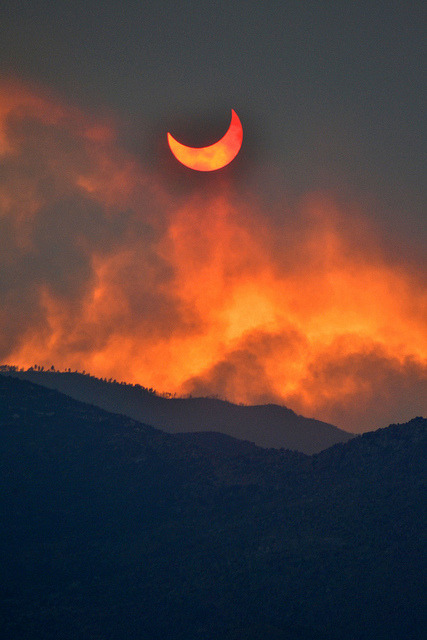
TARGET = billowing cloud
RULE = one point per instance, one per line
(108, 266)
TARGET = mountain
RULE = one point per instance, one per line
(112, 529)
(266, 425)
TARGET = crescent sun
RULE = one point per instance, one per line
(216, 155)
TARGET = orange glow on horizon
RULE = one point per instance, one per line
(216, 155)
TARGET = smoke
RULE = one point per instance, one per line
(113, 266)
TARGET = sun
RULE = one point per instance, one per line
(216, 155)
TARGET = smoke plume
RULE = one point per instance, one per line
(108, 265)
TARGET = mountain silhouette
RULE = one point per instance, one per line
(114, 529)
(268, 425)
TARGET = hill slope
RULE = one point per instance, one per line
(112, 529)
(265, 425)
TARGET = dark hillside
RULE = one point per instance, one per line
(218, 444)
(112, 529)
(265, 425)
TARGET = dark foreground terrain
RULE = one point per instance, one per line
(111, 530)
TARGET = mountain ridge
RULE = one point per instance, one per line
(114, 529)
(267, 426)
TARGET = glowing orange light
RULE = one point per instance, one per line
(216, 155)
(220, 296)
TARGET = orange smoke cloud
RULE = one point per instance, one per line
(103, 268)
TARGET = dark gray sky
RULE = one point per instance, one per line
(332, 92)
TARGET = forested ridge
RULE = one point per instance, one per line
(113, 529)
(268, 425)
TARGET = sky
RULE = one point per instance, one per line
(294, 275)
